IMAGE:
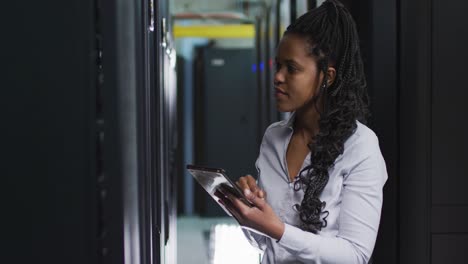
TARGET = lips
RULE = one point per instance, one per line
(280, 92)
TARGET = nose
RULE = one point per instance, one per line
(278, 77)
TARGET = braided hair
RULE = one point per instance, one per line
(332, 38)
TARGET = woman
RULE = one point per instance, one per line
(321, 172)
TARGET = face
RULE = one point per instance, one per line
(297, 77)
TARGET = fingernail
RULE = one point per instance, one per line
(247, 192)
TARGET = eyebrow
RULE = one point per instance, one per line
(289, 61)
(292, 62)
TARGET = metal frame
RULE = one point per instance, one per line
(415, 130)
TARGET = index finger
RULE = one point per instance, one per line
(247, 183)
(252, 183)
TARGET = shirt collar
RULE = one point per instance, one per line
(289, 122)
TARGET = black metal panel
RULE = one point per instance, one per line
(449, 128)
(415, 131)
(226, 118)
(123, 81)
(147, 129)
(433, 199)
(157, 181)
(262, 98)
(378, 21)
(272, 38)
(181, 96)
(449, 132)
(80, 145)
(378, 32)
(450, 219)
(165, 137)
(293, 10)
(446, 249)
(48, 65)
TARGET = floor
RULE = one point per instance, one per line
(213, 241)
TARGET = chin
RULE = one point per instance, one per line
(283, 108)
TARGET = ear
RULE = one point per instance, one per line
(331, 75)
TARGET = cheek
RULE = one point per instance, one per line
(305, 86)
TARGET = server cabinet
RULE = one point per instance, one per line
(226, 117)
(433, 132)
(88, 136)
(145, 73)
(140, 65)
(166, 128)
(378, 31)
(49, 132)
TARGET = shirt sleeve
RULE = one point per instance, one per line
(256, 240)
(358, 220)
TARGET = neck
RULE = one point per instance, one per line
(306, 123)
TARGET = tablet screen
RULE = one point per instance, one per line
(213, 179)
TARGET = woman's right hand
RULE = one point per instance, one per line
(249, 183)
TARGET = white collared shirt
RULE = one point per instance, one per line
(353, 197)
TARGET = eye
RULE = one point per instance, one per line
(291, 69)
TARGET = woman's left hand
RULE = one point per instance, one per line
(259, 217)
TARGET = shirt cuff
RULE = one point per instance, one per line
(296, 240)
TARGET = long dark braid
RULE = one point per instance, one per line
(331, 33)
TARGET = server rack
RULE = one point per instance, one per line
(49, 132)
(225, 116)
(90, 107)
(145, 74)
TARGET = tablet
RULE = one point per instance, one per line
(215, 179)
